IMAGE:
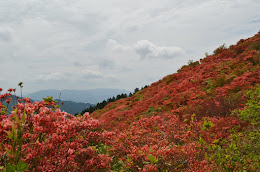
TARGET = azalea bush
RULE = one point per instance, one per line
(242, 150)
(184, 121)
(39, 137)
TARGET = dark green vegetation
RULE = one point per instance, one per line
(73, 107)
(113, 99)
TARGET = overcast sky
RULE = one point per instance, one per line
(85, 44)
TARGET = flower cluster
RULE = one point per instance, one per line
(55, 141)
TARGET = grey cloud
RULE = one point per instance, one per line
(5, 34)
(92, 75)
(147, 49)
(107, 64)
(54, 76)
(255, 20)
(114, 45)
(77, 64)
(76, 73)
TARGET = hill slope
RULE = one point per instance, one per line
(210, 87)
(184, 122)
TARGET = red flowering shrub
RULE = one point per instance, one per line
(55, 141)
(159, 120)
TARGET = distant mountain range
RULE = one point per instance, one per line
(73, 107)
(92, 96)
(67, 106)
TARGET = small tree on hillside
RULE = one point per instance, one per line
(21, 86)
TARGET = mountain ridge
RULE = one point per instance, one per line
(67, 106)
(92, 96)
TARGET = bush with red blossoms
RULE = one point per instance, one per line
(55, 141)
(177, 119)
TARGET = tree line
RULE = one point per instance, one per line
(102, 104)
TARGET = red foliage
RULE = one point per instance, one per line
(57, 141)
(161, 114)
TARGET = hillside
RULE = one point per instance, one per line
(210, 87)
(186, 113)
(205, 117)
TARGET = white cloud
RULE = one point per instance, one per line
(148, 49)
(114, 45)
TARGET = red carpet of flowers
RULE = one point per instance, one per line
(185, 122)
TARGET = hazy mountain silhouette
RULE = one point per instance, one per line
(92, 96)
(67, 106)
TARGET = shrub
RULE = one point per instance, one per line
(242, 152)
(255, 46)
(40, 137)
(220, 49)
(191, 63)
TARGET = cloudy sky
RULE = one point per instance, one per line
(84, 44)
